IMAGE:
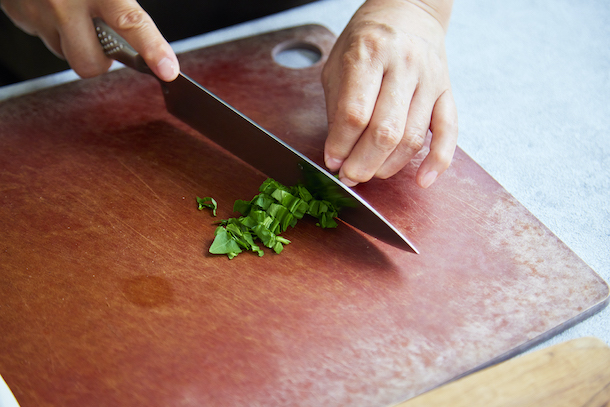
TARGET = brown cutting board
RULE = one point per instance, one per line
(108, 296)
(571, 374)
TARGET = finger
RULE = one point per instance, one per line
(35, 22)
(14, 11)
(385, 130)
(331, 83)
(416, 130)
(79, 43)
(52, 41)
(130, 21)
(351, 108)
(444, 127)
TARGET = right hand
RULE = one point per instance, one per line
(66, 28)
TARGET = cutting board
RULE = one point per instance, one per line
(109, 297)
(570, 374)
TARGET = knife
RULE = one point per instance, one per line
(227, 127)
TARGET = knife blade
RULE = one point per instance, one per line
(235, 132)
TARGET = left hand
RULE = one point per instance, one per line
(387, 84)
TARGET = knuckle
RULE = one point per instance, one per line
(386, 136)
(368, 44)
(356, 174)
(413, 140)
(375, 33)
(133, 19)
(356, 116)
(362, 52)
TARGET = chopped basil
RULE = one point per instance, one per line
(224, 243)
(207, 202)
(265, 217)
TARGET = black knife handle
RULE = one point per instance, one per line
(117, 48)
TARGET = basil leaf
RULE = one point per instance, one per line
(207, 202)
(266, 216)
(224, 243)
(242, 207)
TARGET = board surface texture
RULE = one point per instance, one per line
(108, 295)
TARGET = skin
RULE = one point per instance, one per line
(387, 84)
(66, 28)
(386, 80)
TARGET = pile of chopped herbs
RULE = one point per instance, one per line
(265, 217)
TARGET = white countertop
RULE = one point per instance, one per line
(531, 80)
(532, 84)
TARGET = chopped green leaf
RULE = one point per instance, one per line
(303, 193)
(224, 243)
(242, 207)
(268, 214)
(207, 202)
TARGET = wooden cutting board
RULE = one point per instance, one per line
(108, 295)
(570, 374)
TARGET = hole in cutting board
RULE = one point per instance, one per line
(297, 54)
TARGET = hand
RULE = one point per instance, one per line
(387, 84)
(66, 28)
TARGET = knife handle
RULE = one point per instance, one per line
(117, 48)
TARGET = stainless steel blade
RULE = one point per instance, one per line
(227, 127)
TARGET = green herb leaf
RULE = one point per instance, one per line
(242, 207)
(224, 243)
(207, 202)
(266, 216)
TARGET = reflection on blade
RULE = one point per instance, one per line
(230, 129)
(354, 210)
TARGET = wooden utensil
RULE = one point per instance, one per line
(571, 374)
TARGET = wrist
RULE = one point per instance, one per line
(438, 10)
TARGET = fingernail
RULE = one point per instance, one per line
(332, 163)
(348, 182)
(167, 69)
(429, 178)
